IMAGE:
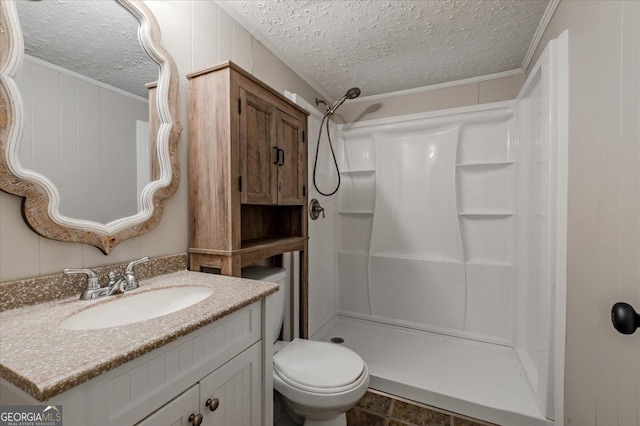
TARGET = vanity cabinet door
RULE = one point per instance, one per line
(177, 412)
(233, 392)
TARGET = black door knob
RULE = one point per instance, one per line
(624, 318)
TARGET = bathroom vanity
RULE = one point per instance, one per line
(209, 363)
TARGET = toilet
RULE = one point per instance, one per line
(318, 381)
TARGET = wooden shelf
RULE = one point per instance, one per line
(253, 250)
(270, 243)
(250, 246)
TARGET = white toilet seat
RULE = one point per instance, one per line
(319, 367)
(326, 391)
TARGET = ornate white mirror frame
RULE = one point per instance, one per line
(40, 206)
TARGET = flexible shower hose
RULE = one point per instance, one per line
(335, 161)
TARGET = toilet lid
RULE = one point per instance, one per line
(318, 365)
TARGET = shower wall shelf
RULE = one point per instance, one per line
(485, 214)
(486, 165)
(357, 172)
(487, 263)
(419, 258)
(361, 213)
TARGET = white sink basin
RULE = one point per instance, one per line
(135, 308)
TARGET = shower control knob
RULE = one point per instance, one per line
(315, 209)
(624, 318)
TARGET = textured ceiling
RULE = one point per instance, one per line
(387, 46)
(98, 39)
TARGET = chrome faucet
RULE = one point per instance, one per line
(126, 282)
(93, 290)
(129, 281)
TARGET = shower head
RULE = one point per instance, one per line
(352, 93)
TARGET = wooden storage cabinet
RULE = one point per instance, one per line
(247, 174)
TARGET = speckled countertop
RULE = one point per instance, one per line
(43, 359)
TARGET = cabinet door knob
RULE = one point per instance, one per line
(281, 163)
(196, 419)
(212, 404)
(277, 155)
(624, 318)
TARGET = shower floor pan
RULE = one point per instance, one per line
(476, 379)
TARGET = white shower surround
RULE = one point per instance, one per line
(427, 209)
(454, 222)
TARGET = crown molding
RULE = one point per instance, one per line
(77, 76)
(438, 86)
(537, 37)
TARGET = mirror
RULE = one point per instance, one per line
(90, 138)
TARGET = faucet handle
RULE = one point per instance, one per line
(129, 269)
(90, 273)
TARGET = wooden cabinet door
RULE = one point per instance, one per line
(258, 150)
(235, 391)
(176, 412)
(292, 164)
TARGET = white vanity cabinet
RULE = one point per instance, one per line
(227, 360)
(178, 412)
(227, 397)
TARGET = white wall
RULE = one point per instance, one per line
(323, 232)
(82, 136)
(197, 34)
(602, 381)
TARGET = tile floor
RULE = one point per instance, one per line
(381, 409)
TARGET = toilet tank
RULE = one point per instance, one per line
(274, 275)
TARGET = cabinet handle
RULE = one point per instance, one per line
(196, 419)
(212, 404)
(281, 162)
(277, 155)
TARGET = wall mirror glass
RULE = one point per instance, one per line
(90, 113)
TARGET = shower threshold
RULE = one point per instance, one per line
(475, 379)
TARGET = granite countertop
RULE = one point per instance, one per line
(43, 359)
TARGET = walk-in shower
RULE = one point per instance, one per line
(352, 93)
(441, 260)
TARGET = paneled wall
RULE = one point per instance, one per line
(82, 136)
(197, 34)
(602, 381)
(323, 299)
